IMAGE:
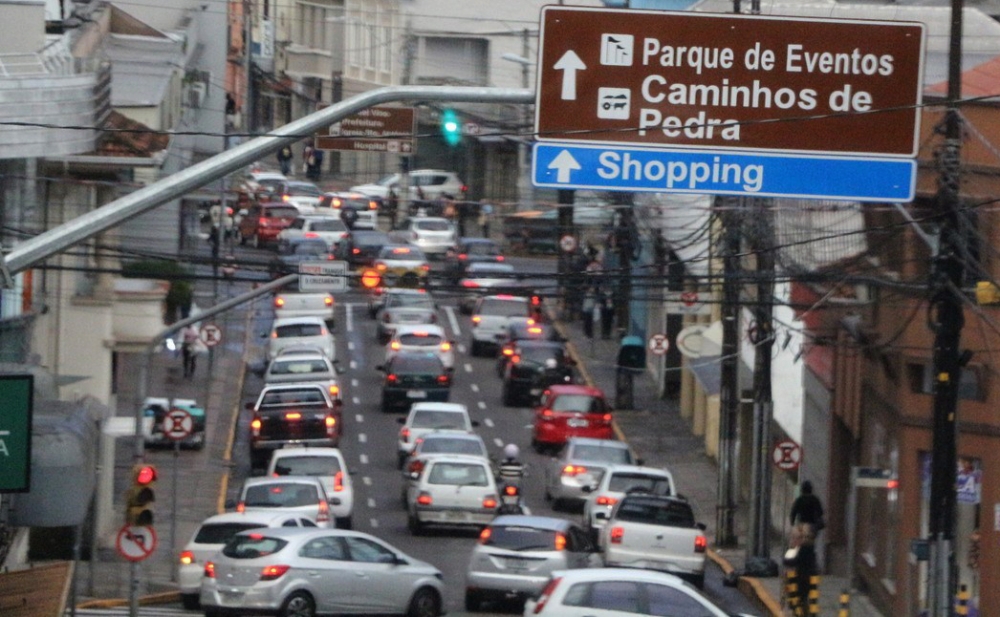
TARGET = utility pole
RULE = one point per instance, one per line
(565, 222)
(729, 394)
(249, 105)
(524, 194)
(946, 320)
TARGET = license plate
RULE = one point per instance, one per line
(416, 394)
(515, 565)
(577, 423)
(456, 515)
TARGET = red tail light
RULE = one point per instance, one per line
(355, 251)
(310, 234)
(573, 470)
(425, 267)
(606, 418)
(546, 594)
(444, 380)
(372, 205)
(279, 302)
(469, 284)
(515, 359)
(273, 573)
(490, 502)
(241, 507)
(209, 571)
(507, 351)
(617, 533)
(381, 267)
(391, 378)
(500, 257)
(700, 544)
(560, 543)
(463, 256)
(187, 558)
(404, 435)
(476, 319)
(324, 512)
(263, 222)
(511, 490)
(424, 499)
(604, 500)
(484, 535)
(416, 467)
(255, 426)
(338, 482)
(547, 413)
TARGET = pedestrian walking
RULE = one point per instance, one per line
(189, 343)
(589, 309)
(285, 159)
(807, 510)
(485, 214)
(307, 159)
(607, 315)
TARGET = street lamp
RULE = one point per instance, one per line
(525, 195)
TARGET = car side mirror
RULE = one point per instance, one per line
(380, 367)
(603, 516)
(640, 461)
(248, 406)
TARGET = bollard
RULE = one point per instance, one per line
(962, 601)
(792, 591)
(813, 597)
(845, 604)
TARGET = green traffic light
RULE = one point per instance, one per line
(451, 129)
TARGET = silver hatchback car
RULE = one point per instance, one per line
(309, 572)
(516, 554)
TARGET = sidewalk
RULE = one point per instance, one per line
(659, 435)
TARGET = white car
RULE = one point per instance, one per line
(263, 180)
(212, 535)
(485, 279)
(330, 229)
(422, 337)
(603, 592)
(325, 464)
(303, 195)
(290, 495)
(428, 417)
(440, 443)
(298, 331)
(294, 365)
(452, 490)
(581, 463)
(615, 483)
(432, 183)
(490, 319)
(431, 234)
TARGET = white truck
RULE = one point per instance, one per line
(305, 304)
(655, 533)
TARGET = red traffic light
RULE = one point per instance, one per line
(145, 474)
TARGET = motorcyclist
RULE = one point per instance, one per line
(510, 470)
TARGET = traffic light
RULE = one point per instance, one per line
(370, 279)
(451, 128)
(140, 497)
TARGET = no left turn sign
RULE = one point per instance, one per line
(135, 542)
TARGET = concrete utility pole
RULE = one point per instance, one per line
(946, 320)
(729, 394)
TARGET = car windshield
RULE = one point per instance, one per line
(299, 367)
(521, 538)
(307, 466)
(420, 365)
(625, 482)
(220, 533)
(601, 454)
(549, 356)
(412, 300)
(252, 546)
(298, 329)
(579, 402)
(431, 418)
(280, 495)
(419, 340)
(450, 445)
(462, 474)
(656, 512)
(328, 224)
(432, 225)
(504, 307)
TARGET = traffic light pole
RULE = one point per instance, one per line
(139, 446)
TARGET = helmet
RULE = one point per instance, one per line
(511, 451)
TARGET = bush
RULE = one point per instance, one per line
(181, 292)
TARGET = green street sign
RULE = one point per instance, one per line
(15, 432)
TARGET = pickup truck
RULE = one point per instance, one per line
(655, 533)
(154, 409)
(305, 304)
(292, 414)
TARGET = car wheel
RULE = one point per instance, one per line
(190, 601)
(538, 446)
(345, 522)
(414, 525)
(299, 604)
(473, 600)
(425, 603)
(699, 581)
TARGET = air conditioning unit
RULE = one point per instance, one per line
(196, 94)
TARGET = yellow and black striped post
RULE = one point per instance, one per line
(814, 594)
(962, 601)
(792, 591)
(845, 604)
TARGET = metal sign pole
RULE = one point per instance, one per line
(173, 507)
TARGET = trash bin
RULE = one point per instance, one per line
(631, 361)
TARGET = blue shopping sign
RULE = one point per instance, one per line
(753, 174)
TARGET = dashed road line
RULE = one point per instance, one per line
(350, 345)
(468, 367)
(481, 405)
(373, 523)
(488, 423)
(461, 347)
(450, 311)
(349, 317)
(354, 383)
(353, 364)
(371, 503)
(363, 458)
(362, 438)
(356, 400)
(498, 442)
(359, 418)
(475, 387)
(366, 480)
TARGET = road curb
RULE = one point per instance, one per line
(165, 597)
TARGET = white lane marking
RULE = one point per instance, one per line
(373, 523)
(355, 400)
(498, 442)
(350, 345)
(367, 481)
(364, 459)
(450, 311)
(349, 316)
(481, 404)
(359, 418)
(488, 423)
(468, 367)
(371, 503)
(353, 364)
(475, 387)
(354, 383)
(362, 438)
(461, 347)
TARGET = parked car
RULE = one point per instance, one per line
(570, 411)
(295, 252)
(533, 367)
(292, 415)
(452, 490)
(432, 184)
(295, 572)
(422, 337)
(655, 533)
(212, 534)
(487, 279)
(402, 265)
(426, 418)
(292, 495)
(516, 555)
(414, 376)
(264, 221)
(581, 463)
(619, 591)
(303, 195)
(617, 482)
(468, 251)
(330, 229)
(432, 235)
(298, 331)
(327, 465)
(360, 247)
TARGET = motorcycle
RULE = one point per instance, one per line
(510, 500)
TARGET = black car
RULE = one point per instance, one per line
(298, 250)
(468, 251)
(361, 246)
(413, 377)
(534, 366)
(522, 329)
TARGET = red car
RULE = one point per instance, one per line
(262, 222)
(570, 411)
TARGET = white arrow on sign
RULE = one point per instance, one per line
(564, 163)
(570, 63)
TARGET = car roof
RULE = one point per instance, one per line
(617, 574)
(406, 291)
(458, 458)
(506, 297)
(305, 533)
(409, 354)
(264, 518)
(451, 433)
(528, 343)
(300, 350)
(324, 451)
(489, 266)
(418, 219)
(638, 469)
(576, 389)
(435, 406)
(550, 523)
(590, 441)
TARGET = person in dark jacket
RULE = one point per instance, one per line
(807, 509)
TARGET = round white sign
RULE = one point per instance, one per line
(658, 344)
(567, 243)
(210, 334)
(787, 455)
(178, 424)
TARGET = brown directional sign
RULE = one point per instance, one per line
(738, 82)
(376, 129)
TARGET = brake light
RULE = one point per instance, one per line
(395, 346)
(424, 499)
(464, 189)
(335, 203)
(445, 346)
(391, 378)
(255, 426)
(187, 558)
(209, 571)
(444, 380)
(381, 267)
(515, 359)
(535, 300)
(469, 284)
(508, 351)
(700, 544)
(273, 573)
(425, 267)
(573, 470)
(511, 490)
(355, 251)
(279, 302)
(617, 533)
(606, 418)
(560, 543)
(404, 434)
(547, 413)
(335, 391)
(286, 197)
(372, 205)
(604, 500)
(310, 234)
(490, 502)
(241, 507)
(484, 535)
(263, 222)
(500, 257)
(328, 300)
(338, 482)
(324, 512)
(416, 467)
(463, 256)
(229, 210)
(546, 594)
(293, 415)
(476, 319)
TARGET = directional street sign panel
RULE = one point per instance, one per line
(758, 174)
(376, 129)
(16, 406)
(323, 276)
(733, 82)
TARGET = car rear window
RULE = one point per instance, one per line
(304, 396)
(432, 225)
(482, 248)
(541, 355)
(220, 533)
(429, 418)
(417, 365)
(448, 445)
(512, 307)
(307, 466)
(274, 213)
(420, 340)
(304, 190)
(328, 225)
(370, 239)
(280, 495)
(601, 454)
(461, 474)
(521, 538)
(624, 482)
(298, 329)
(656, 512)
(490, 268)
(252, 546)
(409, 300)
(578, 402)
(298, 367)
